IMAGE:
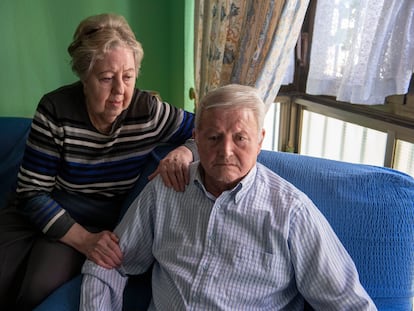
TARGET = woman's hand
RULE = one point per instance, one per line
(102, 248)
(174, 168)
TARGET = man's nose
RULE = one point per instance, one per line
(227, 145)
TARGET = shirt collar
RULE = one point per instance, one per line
(237, 192)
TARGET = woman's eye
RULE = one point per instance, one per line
(106, 79)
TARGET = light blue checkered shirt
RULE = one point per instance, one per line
(261, 246)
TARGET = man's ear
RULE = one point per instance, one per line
(262, 136)
(260, 140)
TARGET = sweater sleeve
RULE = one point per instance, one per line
(176, 124)
(37, 177)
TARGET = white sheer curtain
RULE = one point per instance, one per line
(362, 50)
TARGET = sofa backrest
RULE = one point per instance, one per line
(371, 209)
(13, 136)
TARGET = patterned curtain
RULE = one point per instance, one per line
(245, 41)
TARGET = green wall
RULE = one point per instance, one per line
(35, 36)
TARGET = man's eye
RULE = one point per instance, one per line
(241, 138)
(127, 78)
(213, 138)
(106, 79)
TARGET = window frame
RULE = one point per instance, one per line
(293, 98)
(394, 130)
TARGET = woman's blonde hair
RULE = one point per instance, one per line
(98, 34)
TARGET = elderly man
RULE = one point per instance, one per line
(238, 238)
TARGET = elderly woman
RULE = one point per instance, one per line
(86, 149)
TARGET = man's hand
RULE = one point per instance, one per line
(102, 248)
(174, 168)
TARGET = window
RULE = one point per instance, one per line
(333, 133)
(404, 155)
(272, 123)
(334, 139)
(321, 126)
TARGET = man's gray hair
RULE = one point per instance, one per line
(233, 96)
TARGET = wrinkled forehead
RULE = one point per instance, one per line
(227, 117)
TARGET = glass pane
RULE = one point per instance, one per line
(404, 157)
(330, 138)
(271, 126)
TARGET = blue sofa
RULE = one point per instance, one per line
(370, 208)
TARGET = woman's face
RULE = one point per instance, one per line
(109, 87)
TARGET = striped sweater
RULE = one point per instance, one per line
(66, 155)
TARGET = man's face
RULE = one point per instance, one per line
(228, 144)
